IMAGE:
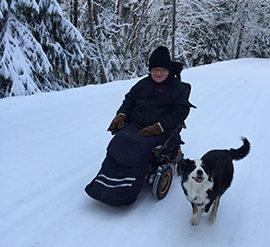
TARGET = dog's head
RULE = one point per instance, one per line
(197, 170)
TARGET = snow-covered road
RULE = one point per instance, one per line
(52, 145)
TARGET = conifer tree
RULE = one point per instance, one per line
(38, 47)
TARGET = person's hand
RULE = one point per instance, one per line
(155, 129)
(117, 122)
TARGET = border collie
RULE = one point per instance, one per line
(205, 180)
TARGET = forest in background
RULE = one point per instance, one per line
(50, 45)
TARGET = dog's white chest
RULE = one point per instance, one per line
(196, 192)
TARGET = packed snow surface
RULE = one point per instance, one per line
(53, 144)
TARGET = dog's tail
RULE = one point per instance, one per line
(240, 153)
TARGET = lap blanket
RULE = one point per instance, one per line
(126, 164)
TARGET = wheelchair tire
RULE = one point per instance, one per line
(162, 183)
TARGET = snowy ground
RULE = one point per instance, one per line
(52, 145)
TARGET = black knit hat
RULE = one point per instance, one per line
(160, 58)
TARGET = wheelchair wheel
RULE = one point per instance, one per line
(162, 182)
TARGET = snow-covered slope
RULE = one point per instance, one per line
(52, 145)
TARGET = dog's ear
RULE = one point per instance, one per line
(185, 164)
(209, 165)
(188, 162)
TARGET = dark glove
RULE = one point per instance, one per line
(152, 130)
(117, 122)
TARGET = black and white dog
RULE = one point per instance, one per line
(205, 180)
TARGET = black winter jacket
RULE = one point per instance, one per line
(149, 102)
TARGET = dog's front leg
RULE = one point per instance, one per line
(213, 215)
(194, 219)
(205, 210)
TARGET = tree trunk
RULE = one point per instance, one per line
(173, 30)
(239, 43)
(76, 74)
(93, 19)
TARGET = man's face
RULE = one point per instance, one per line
(159, 74)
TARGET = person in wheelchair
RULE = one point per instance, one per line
(149, 114)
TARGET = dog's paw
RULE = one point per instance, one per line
(203, 212)
(212, 218)
(194, 220)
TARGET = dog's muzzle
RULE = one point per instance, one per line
(199, 178)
